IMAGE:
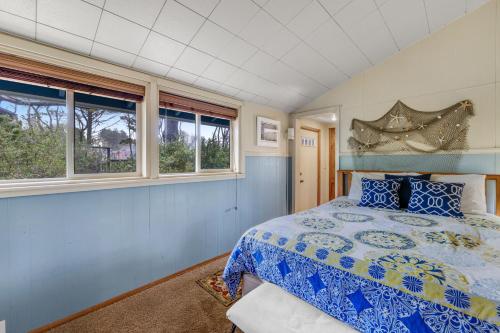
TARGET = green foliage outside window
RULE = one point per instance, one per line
(33, 152)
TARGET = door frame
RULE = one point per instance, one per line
(318, 131)
(332, 154)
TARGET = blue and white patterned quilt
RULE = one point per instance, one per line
(380, 270)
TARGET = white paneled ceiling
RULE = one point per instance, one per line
(282, 53)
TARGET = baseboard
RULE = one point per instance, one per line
(120, 297)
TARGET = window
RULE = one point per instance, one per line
(34, 136)
(177, 138)
(32, 131)
(178, 141)
(195, 136)
(105, 135)
(215, 143)
(63, 128)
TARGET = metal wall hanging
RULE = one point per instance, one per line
(405, 129)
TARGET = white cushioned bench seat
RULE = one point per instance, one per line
(270, 309)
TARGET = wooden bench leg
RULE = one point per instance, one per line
(233, 328)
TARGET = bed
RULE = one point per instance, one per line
(380, 270)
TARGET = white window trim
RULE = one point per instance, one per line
(198, 170)
(147, 159)
(59, 185)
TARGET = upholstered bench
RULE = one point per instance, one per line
(270, 309)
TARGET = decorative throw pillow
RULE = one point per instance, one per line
(380, 193)
(435, 198)
(405, 190)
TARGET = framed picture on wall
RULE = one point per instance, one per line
(268, 132)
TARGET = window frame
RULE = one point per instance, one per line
(70, 144)
(147, 164)
(198, 171)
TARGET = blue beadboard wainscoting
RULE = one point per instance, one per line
(62, 253)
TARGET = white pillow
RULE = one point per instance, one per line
(474, 194)
(355, 191)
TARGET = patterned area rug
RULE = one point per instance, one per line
(216, 287)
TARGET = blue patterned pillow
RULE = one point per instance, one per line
(380, 193)
(405, 190)
(435, 198)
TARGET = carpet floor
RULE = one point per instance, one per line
(175, 306)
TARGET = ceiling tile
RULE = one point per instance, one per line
(373, 37)
(280, 43)
(354, 12)
(228, 90)
(269, 35)
(334, 6)
(234, 14)
(308, 20)
(290, 79)
(211, 38)
(98, 3)
(193, 61)
(260, 100)
(406, 19)
(237, 51)
(111, 54)
(202, 7)
(74, 16)
(442, 12)
(161, 49)
(332, 43)
(24, 8)
(244, 95)
(261, 3)
(250, 83)
(181, 76)
(17, 25)
(307, 61)
(259, 63)
(205, 83)
(285, 10)
(57, 37)
(150, 66)
(381, 2)
(219, 71)
(130, 38)
(474, 4)
(260, 86)
(260, 28)
(178, 22)
(143, 12)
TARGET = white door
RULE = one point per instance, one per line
(307, 187)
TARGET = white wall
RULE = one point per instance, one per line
(249, 130)
(461, 61)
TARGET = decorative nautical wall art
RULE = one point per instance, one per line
(405, 129)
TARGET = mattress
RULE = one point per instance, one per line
(380, 270)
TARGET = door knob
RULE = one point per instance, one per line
(301, 181)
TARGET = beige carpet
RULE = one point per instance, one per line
(178, 305)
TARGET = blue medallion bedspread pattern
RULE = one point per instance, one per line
(380, 270)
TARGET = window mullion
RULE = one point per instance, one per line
(70, 134)
(198, 143)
